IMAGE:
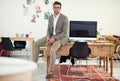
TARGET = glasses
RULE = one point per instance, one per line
(56, 7)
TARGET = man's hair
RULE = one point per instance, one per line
(57, 3)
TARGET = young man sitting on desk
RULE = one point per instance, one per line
(56, 36)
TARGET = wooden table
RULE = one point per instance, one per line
(104, 50)
(13, 69)
(31, 40)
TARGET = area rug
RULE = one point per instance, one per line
(81, 73)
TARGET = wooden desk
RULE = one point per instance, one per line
(104, 50)
(31, 40)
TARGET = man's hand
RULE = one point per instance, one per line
(50, 41)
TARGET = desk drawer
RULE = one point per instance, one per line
(100, 50)
(104, 51)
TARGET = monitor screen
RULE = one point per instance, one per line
(83, 30)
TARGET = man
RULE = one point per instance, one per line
(56, 35)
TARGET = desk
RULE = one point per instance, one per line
(104, 50)
(31, 40)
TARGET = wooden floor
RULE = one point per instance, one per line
(40, 73)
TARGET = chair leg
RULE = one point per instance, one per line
(89, 68)
(87, 65)
(27, 54)
(91, 71)
(97, 63)
(11, 52)
(75, 60)
(80, 63)
(68, 68)
(97, 60)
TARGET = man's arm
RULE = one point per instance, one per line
(63, 33)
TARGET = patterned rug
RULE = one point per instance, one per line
(81, 73)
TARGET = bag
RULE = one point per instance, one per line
(19, 44)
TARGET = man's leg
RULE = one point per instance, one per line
(37, 45)
(56, 45)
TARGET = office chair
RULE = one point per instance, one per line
(80, 51)
(16, 51)
(6, 45)
(3, 52)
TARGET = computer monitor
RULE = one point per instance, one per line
(83, 30)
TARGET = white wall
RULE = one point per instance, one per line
(12, 19)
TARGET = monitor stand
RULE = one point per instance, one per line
(82, 40)
(71, 41)
(88, 41)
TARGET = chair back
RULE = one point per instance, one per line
(19, 44)
(0, 46)
(79, 50)
(7, 44)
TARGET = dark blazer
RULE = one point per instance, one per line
(61, 29)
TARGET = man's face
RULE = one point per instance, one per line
(56, 8)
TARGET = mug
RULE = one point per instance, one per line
(17, 35)
(22, 35)
(27, 35)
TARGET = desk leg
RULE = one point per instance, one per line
(31, 49)
(106, 58)
(48, 62)
(111, 66)
(104, 63)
